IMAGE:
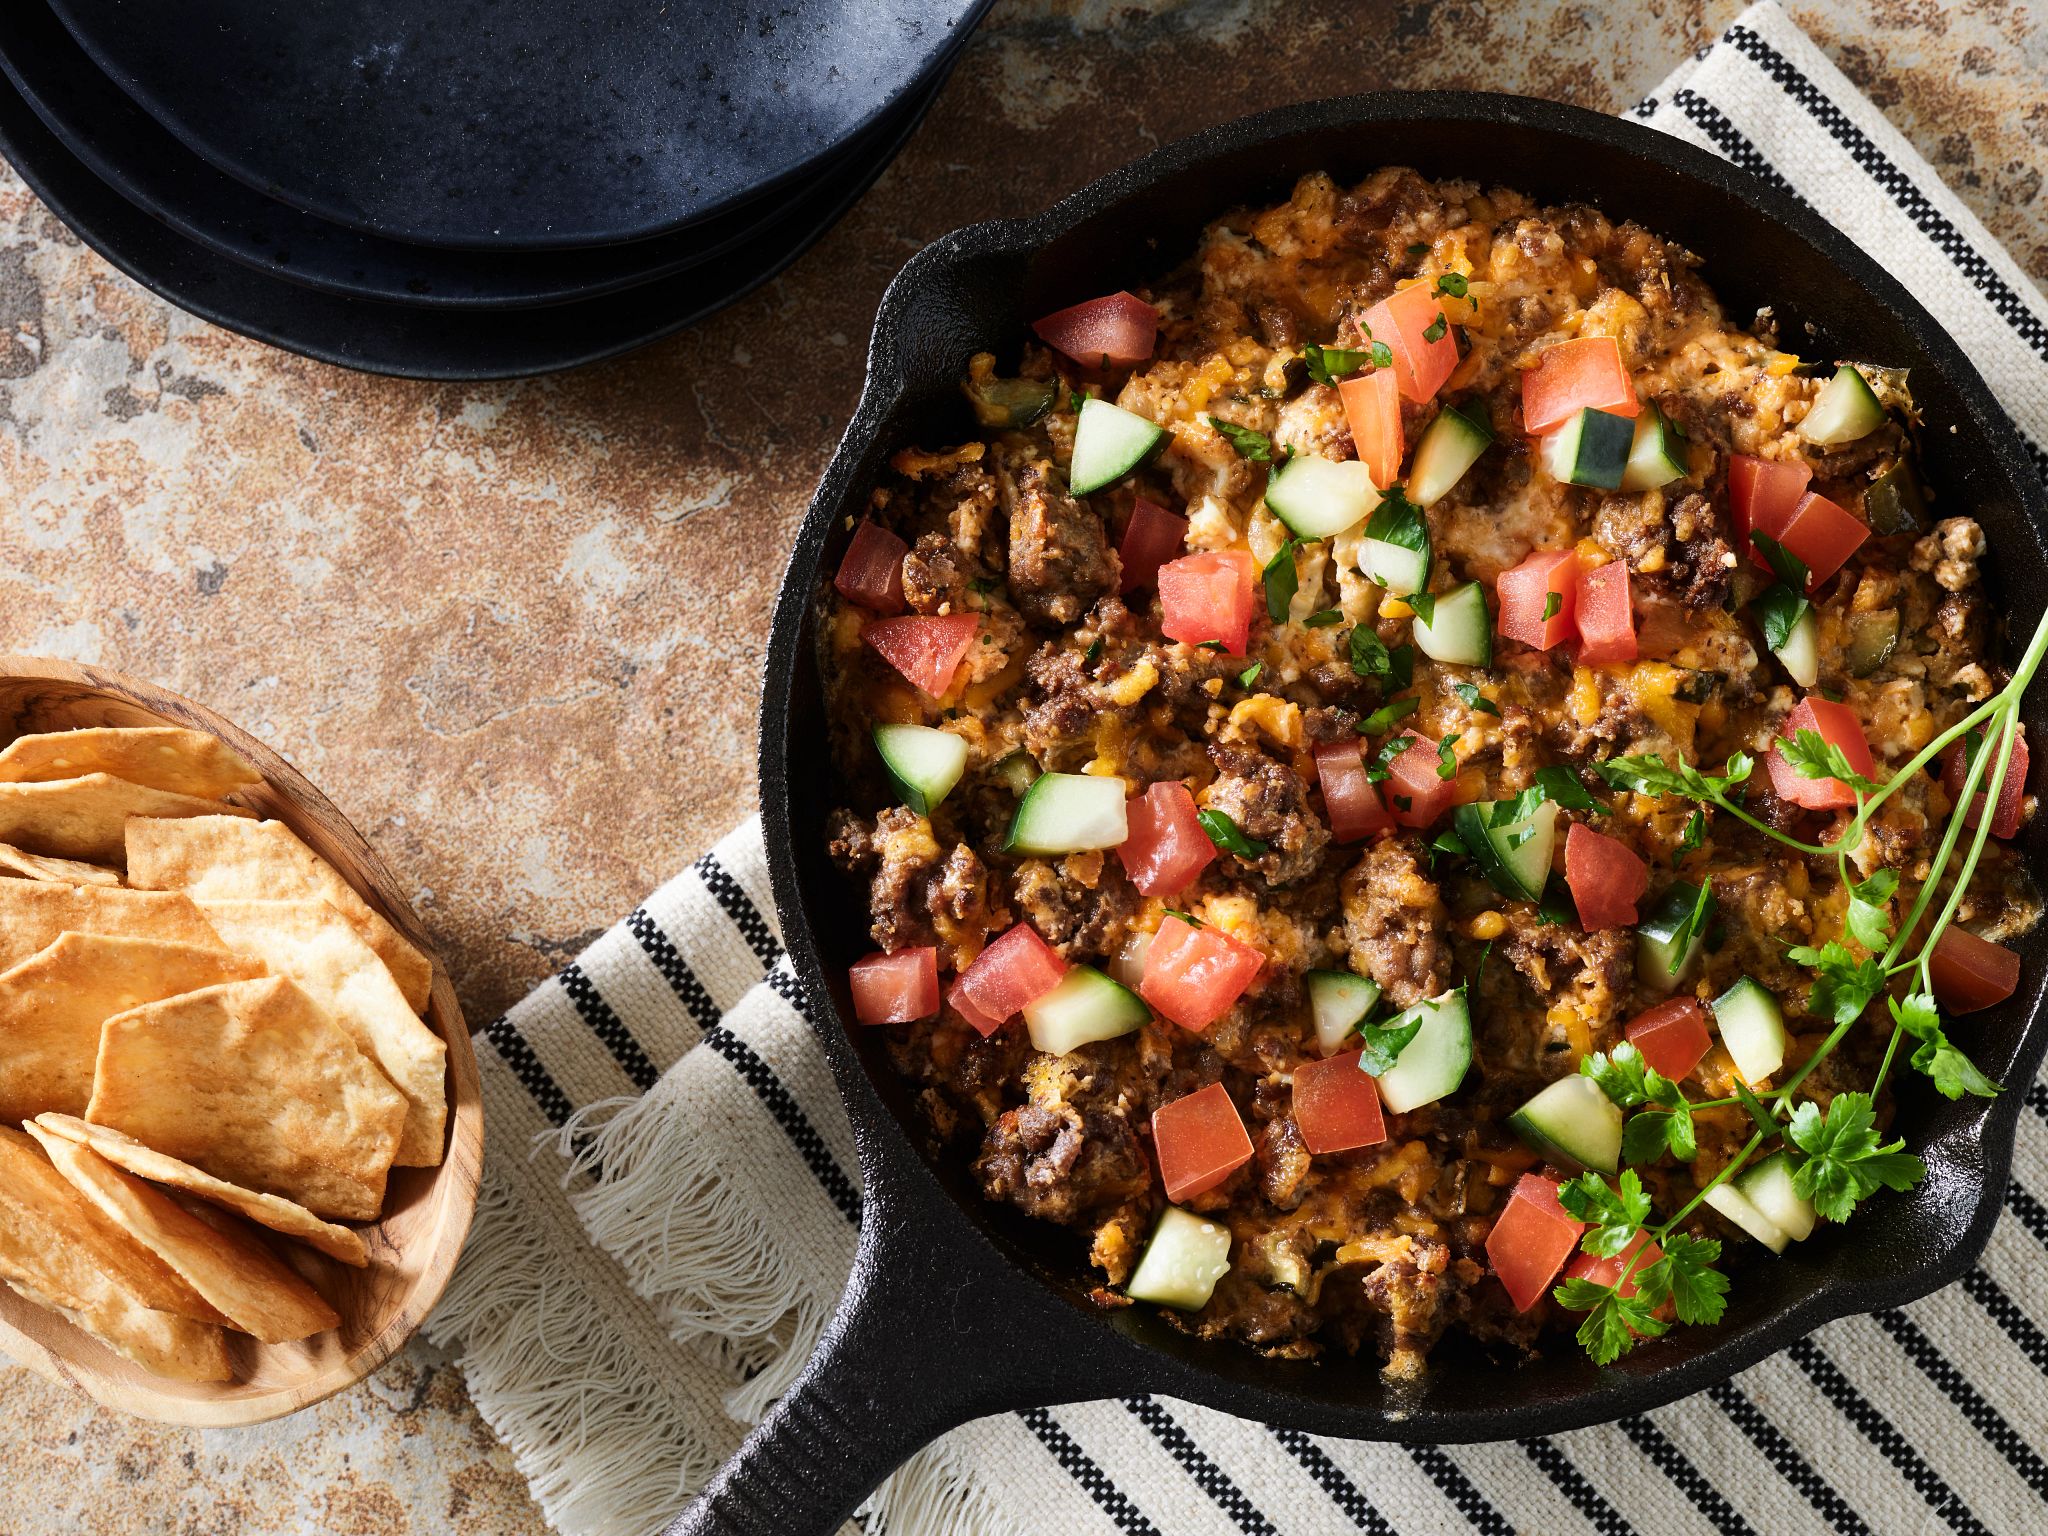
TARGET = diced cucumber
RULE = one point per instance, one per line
(1800, 653)
(1459, 629)
(1340, 1000)
(1109, 442)
(1590, 449)
(924, 764)
(1397, 568)
(1068, 812)
(1514, 855)
(1768, 1187)
(1320, 498)
(1753, 1028)
(1656, 454)
(1872, 639)
(1894, 502)
(1432, 1064)
(1450, 445)
(1735, 1205)
(1086, 1006)
(1182, 1263)
(1668, 942)
(1129, 965)
(1018, 771)
(1844, 410)
(1573, 1120)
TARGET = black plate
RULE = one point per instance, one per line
(132, 152)
(495, 124)
(957, 1307)
(385, 338)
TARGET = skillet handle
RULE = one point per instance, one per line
(934, 1329)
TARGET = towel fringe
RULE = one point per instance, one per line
(693, 1243)
(936, 1494)
(600, 1444)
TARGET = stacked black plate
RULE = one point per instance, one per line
(462, 189)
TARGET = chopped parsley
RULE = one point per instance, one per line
(1475, 700)
(1384, 718)
(1227, 835)
(1253, 446)
(1322, 618)
(1250, 674)
(1454, 284)
(1553, 605)
(1281, 581)
(1437, 327)
(1326, 365)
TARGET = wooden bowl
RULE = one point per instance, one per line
(426, 1210)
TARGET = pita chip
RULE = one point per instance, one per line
(239, 1277)
(313, 944)
(221, 858)
(36, 866)
(256, 1083)
(87, 817)
(33, 913)
(168, 757)
(281, 1216)
(53, 1004)
(58, 1251)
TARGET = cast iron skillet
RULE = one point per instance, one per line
(957, 1308)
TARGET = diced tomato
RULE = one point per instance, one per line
(1193, 975)
(1970, 973)
(1414, 792)
(1571, 376)
(1836, 723)
(1352, 800)
(1619, 1271)
(1763, 492)
(871, 572)
(1200, 1141)
(1151, 538)
(1820, 533)
(927, 651)
(1114, 331)
(1526, 591)
(1672, 1036)
(1017, 969)
(1403, 321)
(1166, 847)
(897, 987)
(1954, 768)
(1605, 617)
(1336, 1106)
(1209, 597)
(1372, 405)
(1530, 1242)
(1606, 876)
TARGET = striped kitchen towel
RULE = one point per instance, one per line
(672, 1194)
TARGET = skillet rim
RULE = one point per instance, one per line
(885, 1144)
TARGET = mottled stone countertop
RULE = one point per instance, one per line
(514, 630)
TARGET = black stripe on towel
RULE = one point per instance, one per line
(1785, 1458)
(1929, 219)
(783, 981)
(1878, 1430)
(1985, 1419)
(513, 1050)
(1329, 1477)
(2002, 1310)
(675, 970)
(1569, 1481)
(739, 906)
(1209, 1477)
(1457, 1487)
(607, 1026)
(1674, 1464)
(1733, 143)
(2030, 1212)
(1081, 1467)
(753, 1071)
